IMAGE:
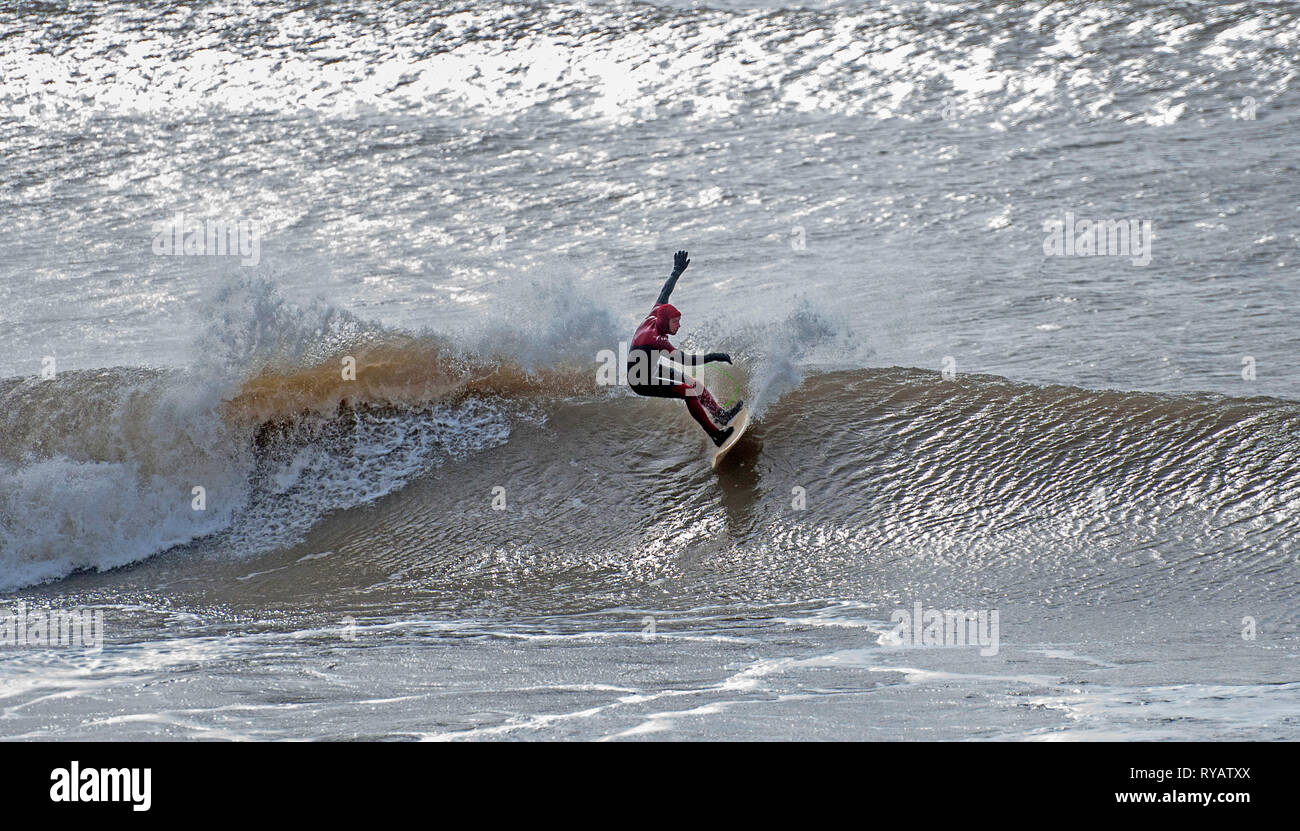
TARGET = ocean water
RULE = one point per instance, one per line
(470, 538)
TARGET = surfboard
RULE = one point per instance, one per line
(740, 422)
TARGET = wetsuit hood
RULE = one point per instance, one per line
(662, 314)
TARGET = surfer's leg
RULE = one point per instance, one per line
(698, 409)
(706, 398)
(718, 415)
(690, 388)
(698, 400)
(701, 404)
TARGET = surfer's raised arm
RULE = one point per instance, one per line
(680, 262)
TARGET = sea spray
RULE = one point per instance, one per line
(781, 351)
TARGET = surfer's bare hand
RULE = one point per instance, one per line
(680, 261)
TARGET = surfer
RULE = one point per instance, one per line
(647, 376)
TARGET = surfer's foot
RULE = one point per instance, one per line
(728, 414)
(720, 437)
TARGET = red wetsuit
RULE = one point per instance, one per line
(647, 376)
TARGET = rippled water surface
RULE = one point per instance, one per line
(471, 200)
